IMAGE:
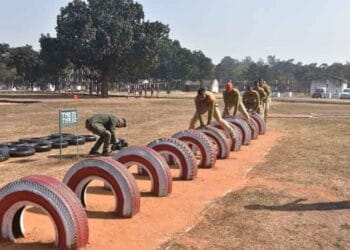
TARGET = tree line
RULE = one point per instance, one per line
(110, 41)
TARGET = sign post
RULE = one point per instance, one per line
(68, 117)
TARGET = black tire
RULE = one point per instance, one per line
(30, 139)
(21, 151)
(53, 136)
(80, 140)
(57, 144)
(4, 153)
(43, 147)
(90, 138)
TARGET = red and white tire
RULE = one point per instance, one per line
(254, 129)
(222, 142)
(260, 121)
(174, 150)
(198, 140)
(236, 139)
(244, 127)
(119, 179)
(53, 197)
(151, 162)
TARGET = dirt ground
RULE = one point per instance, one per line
(194, 216)
(297, 199)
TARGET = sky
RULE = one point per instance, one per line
(306, 30)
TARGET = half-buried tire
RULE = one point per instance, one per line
(244, 127)
(260, 121)
(222, 142)
(43, 146)
(179, 152)
(54, 198)
(199, 141)
(150, 161)
(121, 181)
(90, 138)
(237, 137)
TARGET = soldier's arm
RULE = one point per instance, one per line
(113, 124)
(258, 102)
(199, 114)
(226, 109)
(211, 111)
(263, 95)
(236, 104)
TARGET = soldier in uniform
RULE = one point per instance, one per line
(232, 99)
(251, 100)
(267, 102)
(206, 102)
(104, 126)
(262, 95)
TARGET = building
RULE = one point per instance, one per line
(334, 85)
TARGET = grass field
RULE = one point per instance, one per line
(298, 198)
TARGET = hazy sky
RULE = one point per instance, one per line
(306, 30)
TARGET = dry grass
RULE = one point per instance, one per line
(298, 199)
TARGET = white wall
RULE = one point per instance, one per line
(333, 86)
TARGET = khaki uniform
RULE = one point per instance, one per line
(104, 126)
(268, 90)
(263, 97)
(251, 101)
(232, 99)
(209, 105)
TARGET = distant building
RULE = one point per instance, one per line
(333, 84)
(212, 86)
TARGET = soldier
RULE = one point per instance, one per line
(262, 95)
(104, 126)
(232, 99)
(251, 100)
(206, 102)
(267, 102)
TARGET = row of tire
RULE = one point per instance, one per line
(65, 201)
(29, 146)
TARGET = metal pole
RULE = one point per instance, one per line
(76, 128)
(60, 133)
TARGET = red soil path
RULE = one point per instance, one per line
(159, 218)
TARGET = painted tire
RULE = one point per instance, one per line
(260, 121)
(254, 127)
(202, 142)
(172, 150)
(223, 142)
(122, 183)
(236, 140)
(151, 162)
(52, 196)
(244, 127)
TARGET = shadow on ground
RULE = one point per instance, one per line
(296, 206)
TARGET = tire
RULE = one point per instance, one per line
(57, 135)
(202, 142)
(222, 142)
(43, 147)
(52, 196)
(121, 181)
(21, 151)
(151, 162)
(236, 140)
(30, 139)
(4, 153)
(80, 140)
(57, 144)
(260, 121)
(90, 138)
(244, 127)
(254, 127)
(175, 150)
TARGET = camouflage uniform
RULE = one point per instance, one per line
(209, 105)
(104, 126)
(251, 101)
(232, 99)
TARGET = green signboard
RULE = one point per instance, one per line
(66, 118)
